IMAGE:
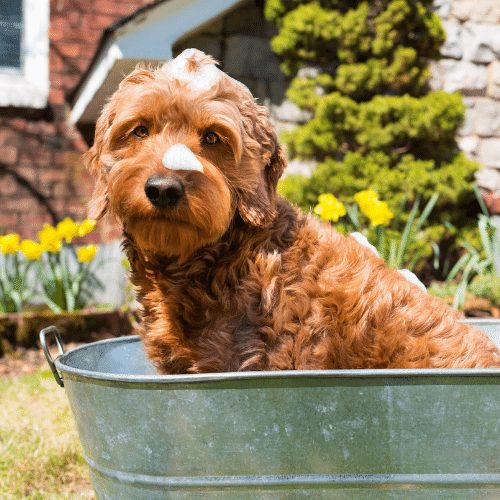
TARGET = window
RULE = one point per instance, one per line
(24, 53)
(11, 21)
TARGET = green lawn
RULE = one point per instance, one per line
(40, 455)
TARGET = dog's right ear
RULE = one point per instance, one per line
(99, 203)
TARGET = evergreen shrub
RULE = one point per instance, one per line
(361, 69)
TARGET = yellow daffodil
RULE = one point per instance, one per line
(86, 253)
(67, 229)
(31, 249)
(50, 239)
(329, 207)
(379, 213)
(9, 243)
(86, 227)
(365, 198)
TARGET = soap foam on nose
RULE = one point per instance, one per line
(180, 157)
(193, 67)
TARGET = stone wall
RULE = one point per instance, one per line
(471, 66)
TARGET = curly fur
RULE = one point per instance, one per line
(234, 278)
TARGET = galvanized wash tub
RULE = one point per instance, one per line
(302, 434)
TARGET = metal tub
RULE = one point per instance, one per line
(301, 434)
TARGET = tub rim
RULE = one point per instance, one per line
(62, 365)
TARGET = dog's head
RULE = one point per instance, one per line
(179, 151)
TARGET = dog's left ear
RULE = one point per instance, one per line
(257, 203)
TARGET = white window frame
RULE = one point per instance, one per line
(28, 86)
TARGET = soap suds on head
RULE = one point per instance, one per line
(180, 157)
(195, 68)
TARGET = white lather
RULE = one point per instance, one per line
(204, 77)
(180, 157)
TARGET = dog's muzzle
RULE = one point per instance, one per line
(164, 191)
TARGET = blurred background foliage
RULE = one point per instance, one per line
(361, 69)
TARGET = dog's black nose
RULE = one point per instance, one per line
(164, 191)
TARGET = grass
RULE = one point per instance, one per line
(40, 455)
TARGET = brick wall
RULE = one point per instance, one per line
(42, 178)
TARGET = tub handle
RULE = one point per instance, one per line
(43, 333)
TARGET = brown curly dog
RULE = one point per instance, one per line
(231, 277)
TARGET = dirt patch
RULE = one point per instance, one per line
(22, 361)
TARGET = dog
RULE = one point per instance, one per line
(228, 275)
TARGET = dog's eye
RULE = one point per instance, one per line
(211, 138)
(141, 131)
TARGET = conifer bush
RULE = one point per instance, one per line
(361, 69)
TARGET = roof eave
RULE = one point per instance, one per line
(146, 36)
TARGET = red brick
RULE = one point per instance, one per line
(71, 49)
(8, 186)
(19, 124)
(50, 175)
(56, 34)
(6, 134)
(41, 129)
(80, 145)
(99, 22)
(56, 63)
(74, 19)
(67, 158)
(58, 205)
(9, 222)
(29, 173)
(111, 8)
(20, 203)
(58, 190)
(70, 80)
(91, 37)
(8, 154)
(58, 22)
(42, 157)
(76, 210)
(32, 223)
(57, 96)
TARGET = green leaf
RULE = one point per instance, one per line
(459, 266)
(406, 234)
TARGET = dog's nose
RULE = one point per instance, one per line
(164, 191)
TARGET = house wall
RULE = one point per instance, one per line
(42, 178)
